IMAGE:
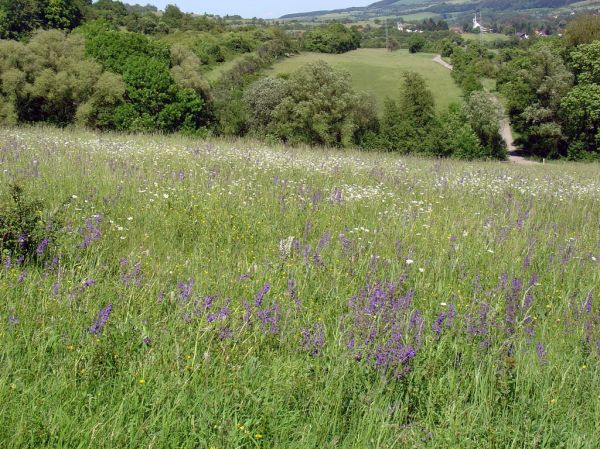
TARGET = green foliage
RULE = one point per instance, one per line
(534, 85)
(163, 88)
(262, 98)
(585, 61)
(113, 48)
(484, 116)
(416, 43)
(25, 231)
(320, 107)
(18, 18)
(407, 126)
(455, 136)
(335, 38)
(580, 109)
(48, 80)
(584, 30)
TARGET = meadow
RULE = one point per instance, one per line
(379, 72)
(228, 294)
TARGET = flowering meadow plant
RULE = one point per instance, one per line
(225, 294)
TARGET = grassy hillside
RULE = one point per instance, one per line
(379, 72)
(225, 295)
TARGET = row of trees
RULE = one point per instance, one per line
(318, 105)
(553, 92)
(126, 83)
(335, 38)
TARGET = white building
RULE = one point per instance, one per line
(477, 25)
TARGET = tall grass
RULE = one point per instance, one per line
(294, 298)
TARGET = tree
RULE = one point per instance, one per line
(335, 38)
(583, 30)
(585, 61)
(416, 43)
(172, 16)
(320, 107)
(49, 80)
(62, 14)
(416, 101)
(484, 115)
(534, 85)
(262, 98)
(18, 18)
(455, 137)
(580, 109)
(407, 125)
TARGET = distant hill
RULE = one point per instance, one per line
(417, 8)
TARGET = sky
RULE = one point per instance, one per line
(266, 9)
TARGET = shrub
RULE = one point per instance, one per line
(25, 234)
(262, 98)
(319, 108)
(48, 80)
(335, 38)
(484, 116)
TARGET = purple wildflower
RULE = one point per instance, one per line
(345, 243)
(225, 333)
(147, 341)
(587, 305)
(541, 352)
(12, 319)
(451, 315)
(269, 318)
(336, 196)
(293, 294)
(22, 276)
(42, 246)
(220, 315)
(258, 298)
(436, 327)
(313, 339)
(247, 311)
(185, 289)
(91, 231)
(99, 324)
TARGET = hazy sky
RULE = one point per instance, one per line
(266, 9)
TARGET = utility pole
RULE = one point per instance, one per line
(387, 36)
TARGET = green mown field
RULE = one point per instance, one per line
(379, 72)
(167, 292)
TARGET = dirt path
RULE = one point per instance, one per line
(440, 61)
(505, 130)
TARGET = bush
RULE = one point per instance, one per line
(262, 98)
(407, 126)
(163, 90)
(25, 234)
(48, 80)
(484, 116)
(335, 38)
(416, 43)
(321, 108)
(456, 138)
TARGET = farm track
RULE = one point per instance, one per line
(505, 129)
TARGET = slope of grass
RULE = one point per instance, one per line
(294, 298)
(379, 72)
